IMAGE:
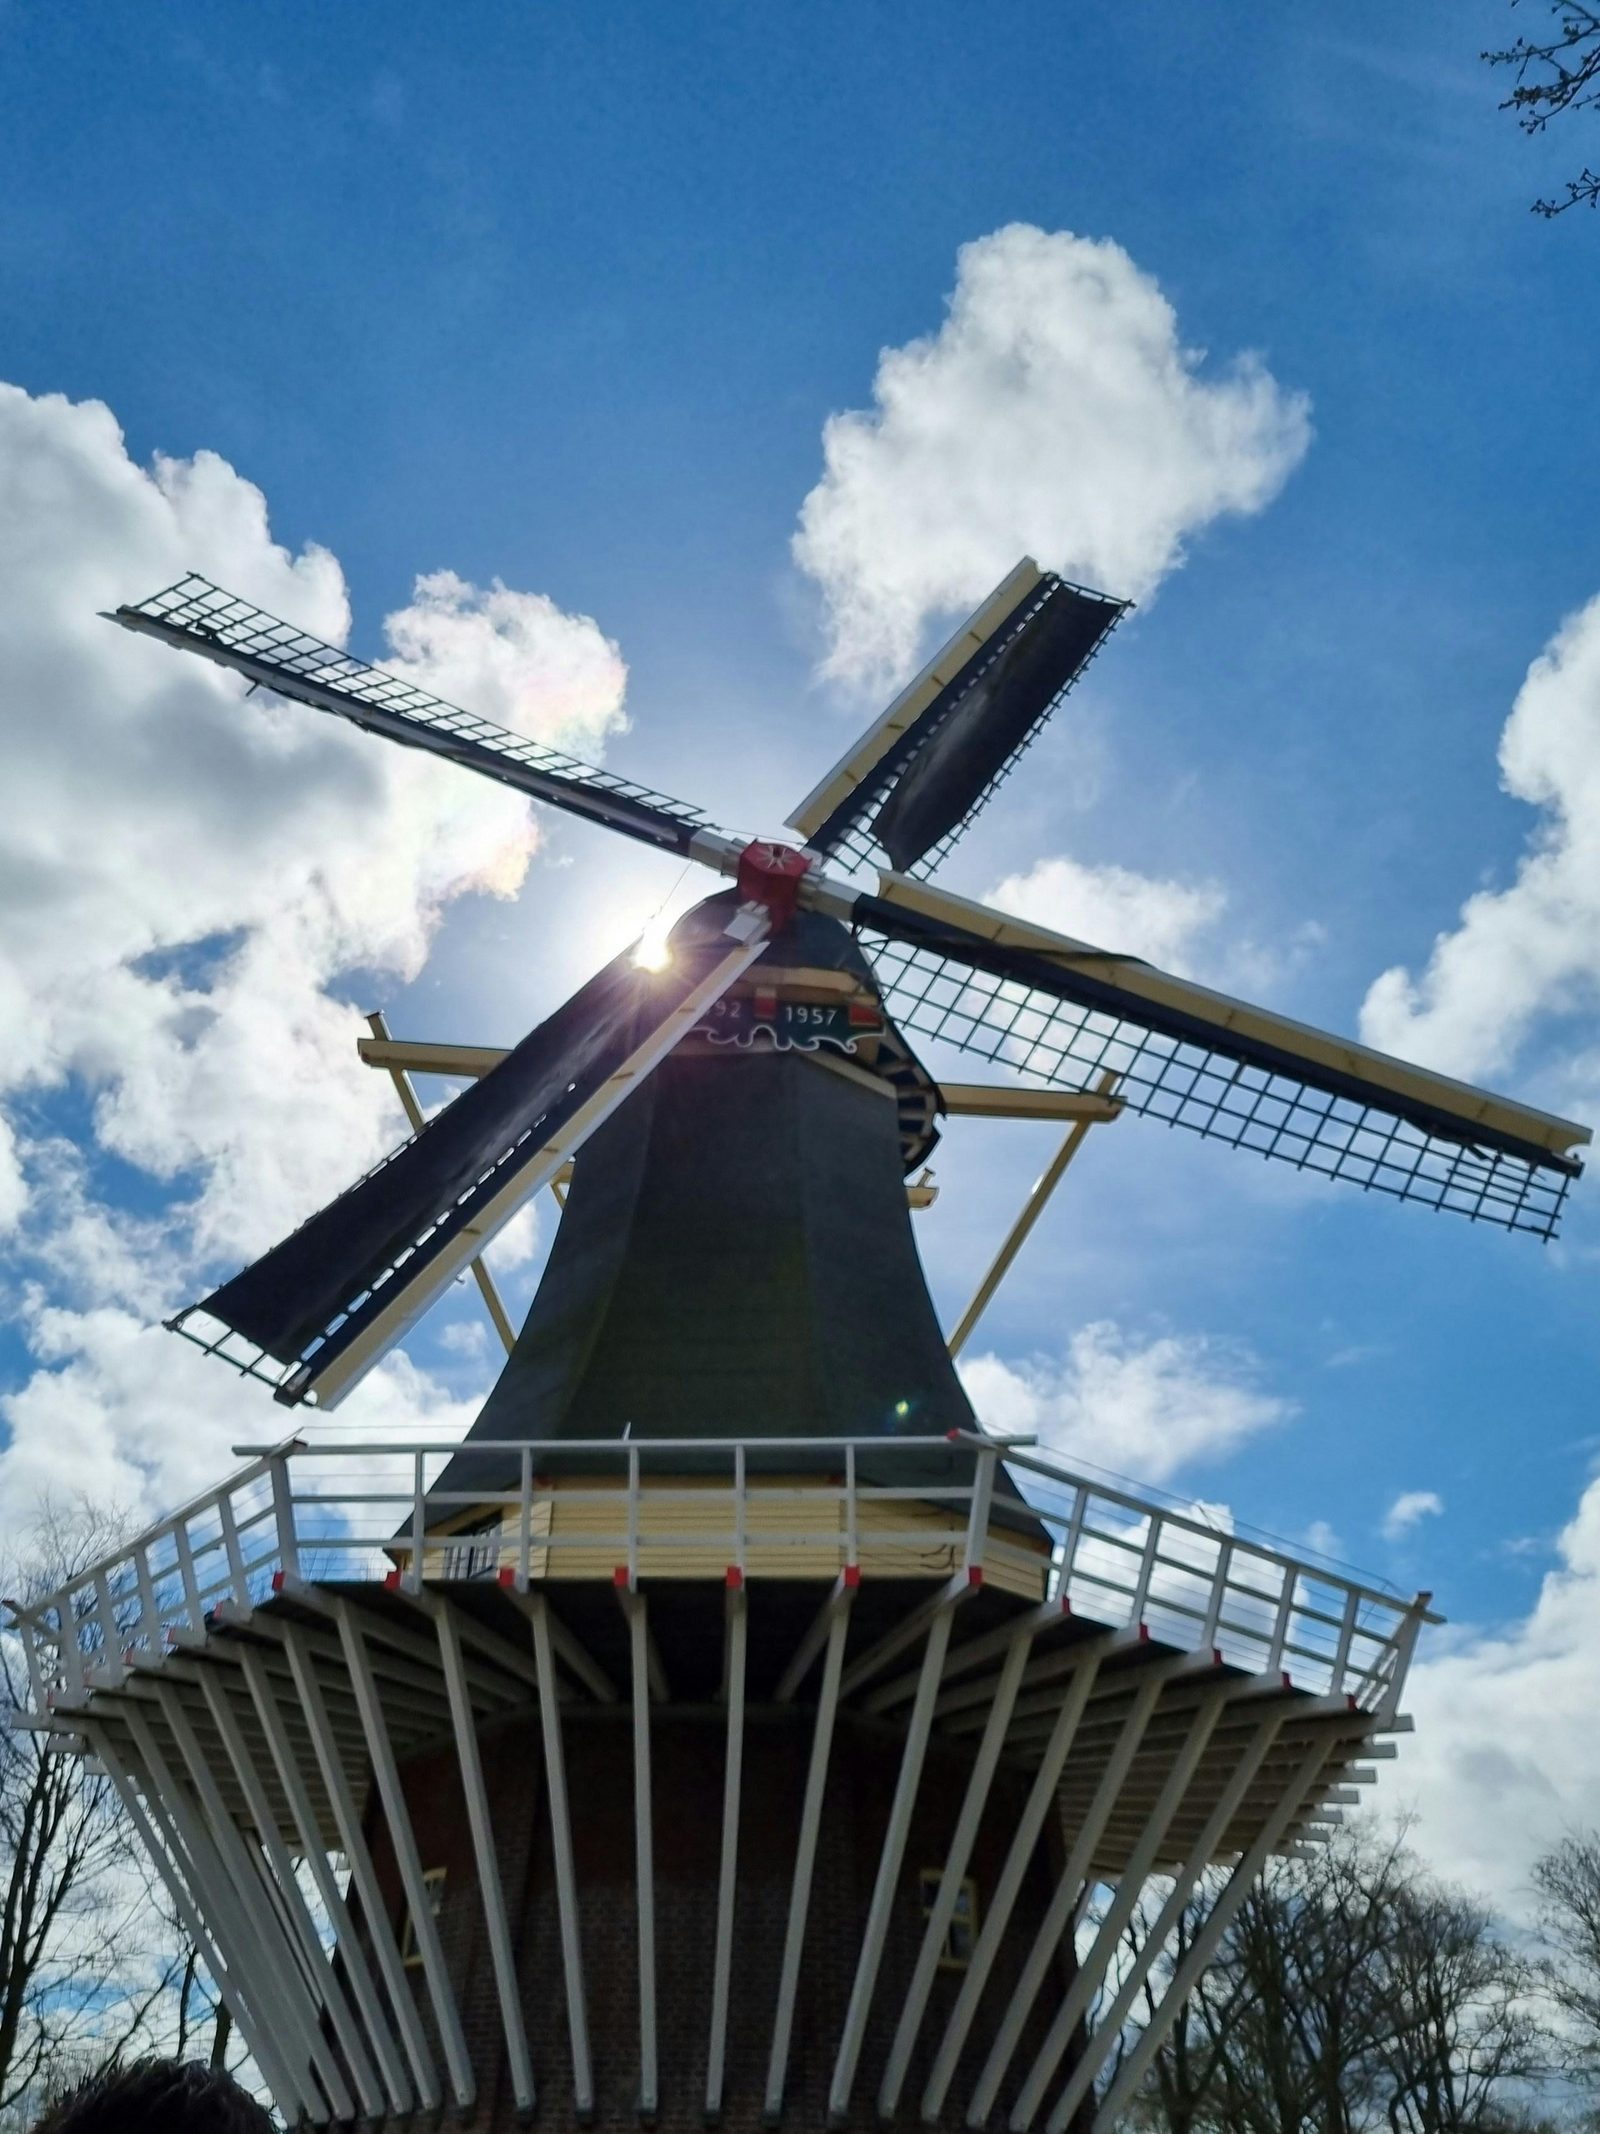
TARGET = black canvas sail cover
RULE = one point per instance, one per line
(985, 716)
(422, 1195)
(735, 1260)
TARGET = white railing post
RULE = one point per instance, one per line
(148, 1623)
(68, 1645)
(1401, 1645)
(978, 1513)
(1347, 1631)
(1070, 1540)
(852, 1525)
(1147, 1565)
(419, 1523)
(1219, 1592)
(283, 1514)
(525, 1522)
(1280, 1625)
(230, 1543)
(186, 1571)
(633, 1517)
(741, 1508)
(105, 1609)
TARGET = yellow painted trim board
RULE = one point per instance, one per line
(1145, 981)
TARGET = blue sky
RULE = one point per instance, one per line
(563, 296)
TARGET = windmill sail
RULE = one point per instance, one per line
(912, 783)
(197, 616)
(1061, 1010)
(333, 1296)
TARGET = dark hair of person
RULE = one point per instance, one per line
(157, 2097)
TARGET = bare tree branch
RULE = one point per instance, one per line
(1568, 1881)
(1555, 74)
(89, 1960)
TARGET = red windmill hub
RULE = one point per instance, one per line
(770, 873)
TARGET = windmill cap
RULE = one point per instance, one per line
(812, 943)
(809, 941)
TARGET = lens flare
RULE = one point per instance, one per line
(651, 952)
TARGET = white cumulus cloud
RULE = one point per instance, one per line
(1145, 1408)
(1113, 907)
(515, 658)
(1508, 1726)
(1056, 412)
(182, 873)
(1408, 1509)
(185, 876)
(132, 1420)
(1530, 949)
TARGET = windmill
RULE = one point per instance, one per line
(727, 1729)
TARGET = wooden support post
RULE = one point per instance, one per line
(328, 1985)
(165, 1850)
(1097, 2047)
(363, 1875)
(984, 1767)
(643, 1849)
(378, 1025)
(555, 1779)
(816, 1636)
(1182, 1982)
(268, 1933)
(403, 1839)
(1032, 1208)
(737, 1641)
(896, 1831)
(313, 1850)
(1095, 1966)
(1073, 1876)
(1041, 1799)
(502, 1949)
(838, 1629)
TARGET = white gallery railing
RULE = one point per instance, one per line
(369, 1511)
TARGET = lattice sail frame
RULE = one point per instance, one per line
(858, 850)
(202, 617)
(1067, 1044)
(1247, 1094)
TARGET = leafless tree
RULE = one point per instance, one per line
(1568, 1881)
(1465, 2030)
(91, 1964)
(1555, 73)
(1184, 2087)
(1308, 1945)
(1351, 1994)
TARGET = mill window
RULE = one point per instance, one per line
(961, 1934)
(433, 1883)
